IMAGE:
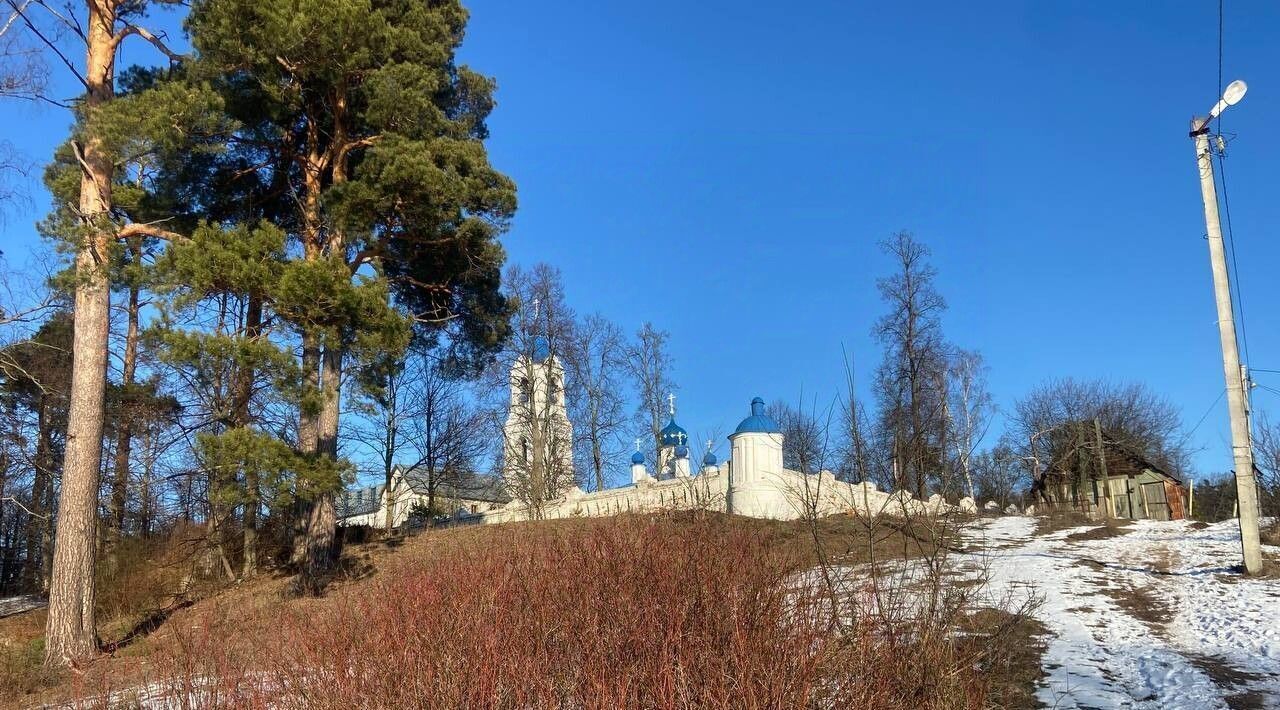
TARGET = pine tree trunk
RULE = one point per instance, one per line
(70, 632)
(32, 577)
(124, 439)
(8, 544)
(243, 418)
(317, 555)
(46, 537)
(144, 494)
(308, 445)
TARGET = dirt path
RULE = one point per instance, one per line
(1152, 618)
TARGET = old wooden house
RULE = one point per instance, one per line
(1111, 481)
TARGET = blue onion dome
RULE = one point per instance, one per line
(637, 458)
(709, 459)
(758, 422)
(541, 349)
(682, 452)
(673, 434)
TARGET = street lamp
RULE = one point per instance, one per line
(1234, 92)
(1237, 405)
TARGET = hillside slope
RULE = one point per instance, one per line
(1156, 616)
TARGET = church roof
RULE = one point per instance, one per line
(709, 459)
(637, 457)
(758, 422)
(673, 434)
(467, 486)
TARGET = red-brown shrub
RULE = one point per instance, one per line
(635, 611)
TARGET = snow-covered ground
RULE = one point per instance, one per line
(16, 605)
(1152, 618)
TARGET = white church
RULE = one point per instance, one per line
(752, 482)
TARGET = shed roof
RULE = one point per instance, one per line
(1122, 460)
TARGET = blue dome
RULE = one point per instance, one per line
(709, 459)
(637, 457)
(682, 452)
(541, 349)
(758, 422)
(673, 434)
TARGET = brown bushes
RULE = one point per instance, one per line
(635, 611)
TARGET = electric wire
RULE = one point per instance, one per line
(1206, 414)
(1272, 390)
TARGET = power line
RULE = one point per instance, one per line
(1272, 390)
(1207, 412)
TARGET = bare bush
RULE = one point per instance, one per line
(689, 610)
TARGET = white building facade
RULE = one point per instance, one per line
(752, 482)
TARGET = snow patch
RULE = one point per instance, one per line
(1212, 633)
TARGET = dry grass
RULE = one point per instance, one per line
(1099, 529)
(1271, 534)
(662, 611)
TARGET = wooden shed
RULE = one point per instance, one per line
(1133, 487)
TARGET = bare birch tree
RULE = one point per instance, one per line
(805, 435)
(973, 408)
(415, 417)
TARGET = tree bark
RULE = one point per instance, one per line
(70, 632)
(144, 494)
(124, 437)
(308, 445)
(37, 523)
(322, 519)
(243, 418)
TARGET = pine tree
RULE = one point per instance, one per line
(91, 222)
(367, 138)
(215, 326)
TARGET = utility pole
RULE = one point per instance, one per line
(1241, 442)
(1102, 466)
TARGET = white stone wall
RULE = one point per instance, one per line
(779, 494)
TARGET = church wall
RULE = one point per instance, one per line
(780, 494)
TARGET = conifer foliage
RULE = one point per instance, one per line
(293, 200)
(361, 139)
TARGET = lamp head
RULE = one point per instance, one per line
(1235, 92)
(1230, 97)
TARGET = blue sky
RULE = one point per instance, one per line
(726, 171)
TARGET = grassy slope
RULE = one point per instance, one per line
(650, 567)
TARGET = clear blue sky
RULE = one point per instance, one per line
(726, 171)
